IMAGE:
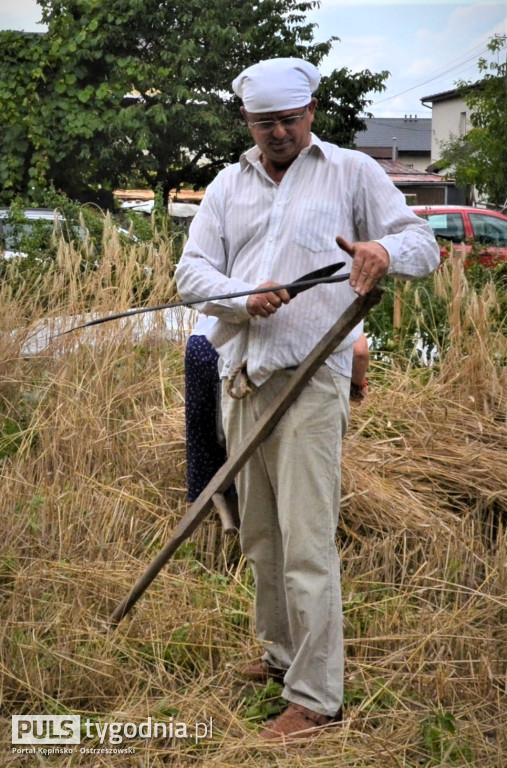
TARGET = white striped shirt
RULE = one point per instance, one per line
(249, 230)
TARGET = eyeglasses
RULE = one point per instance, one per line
(269, 125)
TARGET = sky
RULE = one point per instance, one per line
(426, 46)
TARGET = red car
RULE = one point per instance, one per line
(464, 224)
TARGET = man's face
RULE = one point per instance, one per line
(281, 143)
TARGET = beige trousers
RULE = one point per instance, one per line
(289, 498)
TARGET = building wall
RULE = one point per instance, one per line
(449, 118)
(419, 161)
(416, 161)
(430, 194)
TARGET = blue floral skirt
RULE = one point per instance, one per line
(205, 455)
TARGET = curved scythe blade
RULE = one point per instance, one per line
(317, 277)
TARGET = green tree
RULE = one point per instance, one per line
(140, 89)
(480, 157)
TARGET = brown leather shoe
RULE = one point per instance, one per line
(262, 671)
(297, 722)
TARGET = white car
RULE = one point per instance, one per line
(10, 232)
(43, 220)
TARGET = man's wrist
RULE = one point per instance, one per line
(358, 391)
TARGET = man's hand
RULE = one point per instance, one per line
(370, 264)
(266, 304)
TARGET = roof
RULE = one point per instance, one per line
(34, 214)
(412, 134)
(177, 210)
(400, 174)
(455, 93)
(443, 96)
(140, 195)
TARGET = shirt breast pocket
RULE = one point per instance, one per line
(317, 226)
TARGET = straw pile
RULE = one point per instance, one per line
(92, 472)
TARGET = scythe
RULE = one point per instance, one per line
(226, 474)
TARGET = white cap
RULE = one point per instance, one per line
(276, 84)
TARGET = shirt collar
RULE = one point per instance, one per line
(252, 155)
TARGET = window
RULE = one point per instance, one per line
(488, 229)
(449, 226)
(462, 123)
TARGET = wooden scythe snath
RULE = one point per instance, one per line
(226, 474)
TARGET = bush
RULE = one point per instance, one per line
(424, 330)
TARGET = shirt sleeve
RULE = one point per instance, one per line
(203, 268)
(383, 215)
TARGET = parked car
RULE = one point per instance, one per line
(464, 224)
(13, 233)
(32, 229)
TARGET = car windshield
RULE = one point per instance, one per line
(489, 229)
(12, 235)
(32, 231)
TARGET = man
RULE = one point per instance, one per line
(205, 451)
(263, 222)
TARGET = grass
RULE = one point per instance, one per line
(92, 476)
